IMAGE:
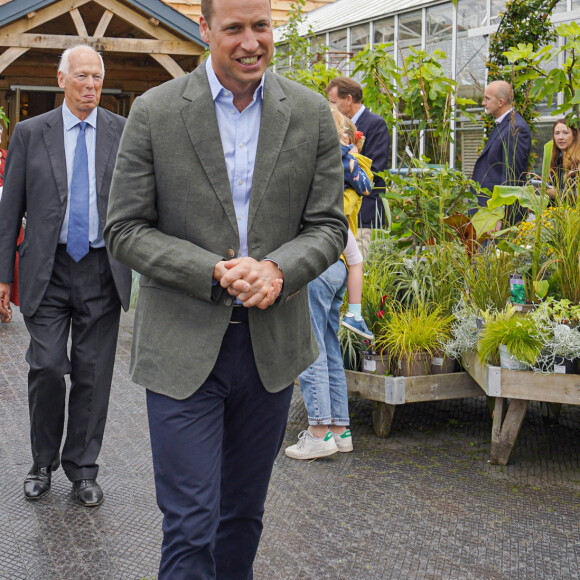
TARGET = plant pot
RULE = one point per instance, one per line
(377, 364)
(508, 361)
(441, 364)
(417, 364)
(565, 366)
(525, 308)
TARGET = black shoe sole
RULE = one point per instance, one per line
(88, 505)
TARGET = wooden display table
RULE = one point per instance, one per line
(388, 392)
(520, 387)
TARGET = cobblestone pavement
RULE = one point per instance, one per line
(422, 504)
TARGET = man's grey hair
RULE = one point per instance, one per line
(64, 64)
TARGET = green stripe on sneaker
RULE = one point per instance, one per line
(346, 434)
(328, 436)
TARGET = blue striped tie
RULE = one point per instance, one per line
(78, 222)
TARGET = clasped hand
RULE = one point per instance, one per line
(253, 283)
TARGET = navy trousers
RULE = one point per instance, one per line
(212, 456)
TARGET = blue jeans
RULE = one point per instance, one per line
(323, 384)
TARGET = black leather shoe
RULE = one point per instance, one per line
(37, 482)
(88, 492)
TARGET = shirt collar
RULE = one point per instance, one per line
(357, 115)
(70, 120)
(502, 117)
(216, 87)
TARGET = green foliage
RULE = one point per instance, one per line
(416, 92)
(3, 118)
(531, 69)
(420, 202)
(563, 238)
(406, 331)
(305, 65)
(379, 281)
(486, 276)
(517, 333)
(378, 71)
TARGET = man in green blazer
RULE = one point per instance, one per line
(227, 198)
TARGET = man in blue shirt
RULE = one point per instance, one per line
(227, 198)
(58, 171)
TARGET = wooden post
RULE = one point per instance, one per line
(506, 427)
(382, 418)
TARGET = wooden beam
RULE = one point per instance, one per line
(103, 23)
(169, 65)
(382, 418)
(9, 56)
(107, 44)
(506, 428)
(125, 13)
(441, 387)
(79, 22)
(43, 16)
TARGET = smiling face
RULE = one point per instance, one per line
(82, 82)
(563, 136)
(240, 42)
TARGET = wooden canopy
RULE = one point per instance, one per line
(143, 43)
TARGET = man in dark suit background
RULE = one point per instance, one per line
(227, 197)
(58, 173)
(504, 159)
(346, 94)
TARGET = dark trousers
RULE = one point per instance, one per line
(81, 300)
(213, 455)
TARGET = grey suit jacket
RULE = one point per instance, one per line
(171, 218)
(35, 182)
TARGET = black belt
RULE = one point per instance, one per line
(239, 314)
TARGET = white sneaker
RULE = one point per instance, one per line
(310, 447)
(344, 441)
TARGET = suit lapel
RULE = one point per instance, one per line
(53, 134)
(201, 123)
(105, 143)
(493, 136)
(273, 127)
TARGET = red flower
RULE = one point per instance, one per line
(381, 313)
(358, 135)
(384, 299)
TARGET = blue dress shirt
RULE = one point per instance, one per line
(239, 135)
(357, 115)
(71, 131)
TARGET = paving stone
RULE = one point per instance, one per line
(422, 504)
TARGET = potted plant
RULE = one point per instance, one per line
(412, 335)
(556, 324)
(509, 340)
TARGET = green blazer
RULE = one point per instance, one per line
(171, 217)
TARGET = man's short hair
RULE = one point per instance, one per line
(206, 10)
(206, 6)
(345, 86)
(64, 64)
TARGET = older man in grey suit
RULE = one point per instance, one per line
(58, 172)
(227, 197)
